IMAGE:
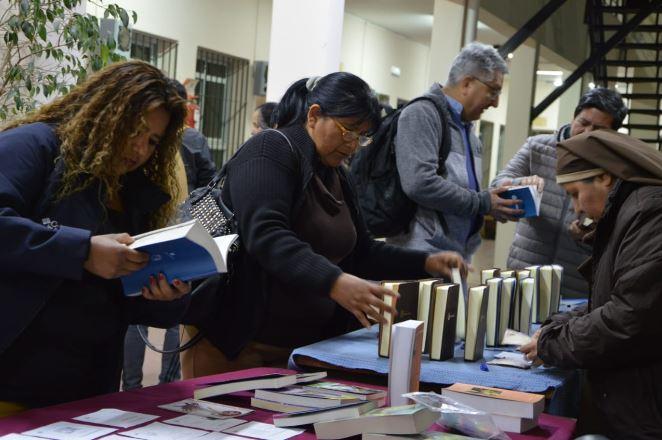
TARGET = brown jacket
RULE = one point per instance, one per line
(618, 339)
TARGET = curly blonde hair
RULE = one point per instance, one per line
(96, 121)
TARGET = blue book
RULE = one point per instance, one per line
(185, 251)
(528, 195)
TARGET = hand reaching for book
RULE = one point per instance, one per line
(530, 350)
(110, 257)
(441, 264)
(362, 298)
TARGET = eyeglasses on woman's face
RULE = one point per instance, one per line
(352, 136)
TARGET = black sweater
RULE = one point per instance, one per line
(280, 289)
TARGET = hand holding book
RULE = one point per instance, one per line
(503, 209)
(362, 298)
(111, 257)
(442, 263)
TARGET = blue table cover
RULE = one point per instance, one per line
(358, 350)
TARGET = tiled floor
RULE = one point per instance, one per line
(482, 259)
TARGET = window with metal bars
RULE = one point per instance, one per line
(222, 91)
(158, 51)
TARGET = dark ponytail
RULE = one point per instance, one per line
(339, 94)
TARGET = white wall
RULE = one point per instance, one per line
(237, 28)
(369, 51)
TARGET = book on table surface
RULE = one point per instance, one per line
(316, 415)
(444, 321)
(519, 275)
(424, 313)
(406, 306)
(259, 381)
(461, 322)
(494, 298)
(407, 419)
(277, 406)
(496, 400)
(545, 296)
(487, 274)
(428, 435)
(509, 287)
(474, 343)
(360, 392)
(404, 367)
(185, 251)
(305, 397)
(528, 196)
(507, 273)
(557, 279)
(535, 303)
(514, 424)
(527, 294)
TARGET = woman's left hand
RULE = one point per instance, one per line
(441, 263)
(161, 290)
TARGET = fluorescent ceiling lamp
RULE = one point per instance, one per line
(549, 72)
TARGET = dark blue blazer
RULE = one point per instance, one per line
(44, 241)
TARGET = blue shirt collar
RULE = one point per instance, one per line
(456, 111)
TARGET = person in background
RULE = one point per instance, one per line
(261, 118)
(616, 181)
(555, 235)
(307, 256)
(200, 169)
(78, 178)
(450, 205)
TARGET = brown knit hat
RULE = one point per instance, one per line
(607, 151)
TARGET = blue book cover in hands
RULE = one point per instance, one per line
(185, 251)
(528, 195)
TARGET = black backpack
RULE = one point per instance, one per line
(385, 207)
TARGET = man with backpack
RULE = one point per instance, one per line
(438, 157)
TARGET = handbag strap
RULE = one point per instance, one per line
(218, 177)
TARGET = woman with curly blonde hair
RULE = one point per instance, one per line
(78, 178)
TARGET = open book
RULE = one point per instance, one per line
(529, 196)
(185, 251)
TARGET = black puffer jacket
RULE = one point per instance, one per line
(618, 338)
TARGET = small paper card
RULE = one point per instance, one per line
(69, 431)
(208, 423)
(162, 431)
(220, 436)
(206, 409)
(116, 417)
(23, 437)
(263, 431)
(510, 359)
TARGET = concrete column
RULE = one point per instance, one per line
(305, 41)
(446, 40)
(522, 73)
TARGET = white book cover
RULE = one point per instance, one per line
(461, 323)
(535, 302)
(493, 311)
(557, 279)
(526, 304)
(404, 360)
(184, 251)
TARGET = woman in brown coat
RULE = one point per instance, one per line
(617, 181)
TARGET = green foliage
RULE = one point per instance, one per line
(49, 46)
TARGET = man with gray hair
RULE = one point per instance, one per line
(450, 203)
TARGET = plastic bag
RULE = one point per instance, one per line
(457, 416)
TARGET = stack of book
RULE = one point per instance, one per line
(512, 411)
(317, 401)
(431, 301)
(394, 420)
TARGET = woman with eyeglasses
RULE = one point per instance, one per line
(78, 178)
(306, 251)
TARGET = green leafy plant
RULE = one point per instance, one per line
(49, 46)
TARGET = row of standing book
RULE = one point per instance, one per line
(479, 315)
